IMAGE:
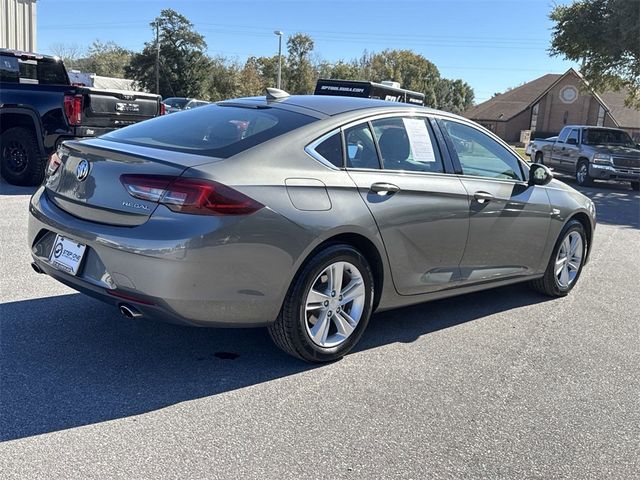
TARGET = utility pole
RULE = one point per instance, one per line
(279, 34)
(158, 58)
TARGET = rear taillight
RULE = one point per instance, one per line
(163, 109)
(73, 109)
(190, 195)
(53, 165)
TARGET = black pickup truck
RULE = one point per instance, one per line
(39, 108)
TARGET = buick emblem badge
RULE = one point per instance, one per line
(82, 170)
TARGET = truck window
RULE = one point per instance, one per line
(43, 71)
(575, 134)
(9, 70)
(564, 134)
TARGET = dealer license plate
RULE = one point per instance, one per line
(66, 254)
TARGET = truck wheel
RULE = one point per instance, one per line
(540, 158)
(635, 186)
(582, 174)
(21, 162)
(565, 263)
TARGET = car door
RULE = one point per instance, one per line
(508, 219)
(421, 209)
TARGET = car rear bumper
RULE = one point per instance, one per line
(213, 272)
(608, 172)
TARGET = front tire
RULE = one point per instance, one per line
(327, 307)
(565, 264)
(582, 174)
(540, 158)
(21, 162)
(635, 186)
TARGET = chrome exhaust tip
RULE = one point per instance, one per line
(36, 268)
(127, 311)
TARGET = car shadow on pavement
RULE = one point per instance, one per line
(69, 361)
(7, 189)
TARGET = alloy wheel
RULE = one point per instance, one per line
(569, 259)
(334, 304)
(582, 173)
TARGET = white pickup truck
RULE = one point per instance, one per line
(590, 153)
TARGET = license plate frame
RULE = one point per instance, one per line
(66, 254)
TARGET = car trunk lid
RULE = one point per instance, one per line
(88, 182)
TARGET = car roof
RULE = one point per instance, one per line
(325, 104)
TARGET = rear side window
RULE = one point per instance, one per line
(213, 130)
(407, 144)
(331, 150)
(361, 149)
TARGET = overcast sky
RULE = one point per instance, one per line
(491, 44)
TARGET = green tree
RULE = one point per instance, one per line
(224, 80)
(300, 74)
(107, 59)
(340, 70)
(453, 96)
(410, 69)
(604, 36)
(184, 66)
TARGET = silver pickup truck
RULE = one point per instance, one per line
(590, 153)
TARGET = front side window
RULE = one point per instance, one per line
(361, 149)
(407, 144)
(480, 155)
(573, 135)
(564, 134)
(213, 130)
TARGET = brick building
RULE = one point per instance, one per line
(550, 102)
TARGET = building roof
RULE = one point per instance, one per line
(507, 105)
(624, 116)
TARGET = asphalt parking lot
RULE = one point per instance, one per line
(499, 384)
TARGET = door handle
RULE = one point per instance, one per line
(482, 197)
(384, 188)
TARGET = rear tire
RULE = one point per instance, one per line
(582, 174)
(635, 186)
(21, 162)
(552, 283)
(327, 329)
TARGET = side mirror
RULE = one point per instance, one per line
(539, 174)
(572, 141)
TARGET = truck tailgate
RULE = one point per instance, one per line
(117, 108)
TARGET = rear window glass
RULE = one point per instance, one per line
(9, 69)
(214, 130)
(44, 72)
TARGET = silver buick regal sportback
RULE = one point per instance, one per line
(304, 214)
